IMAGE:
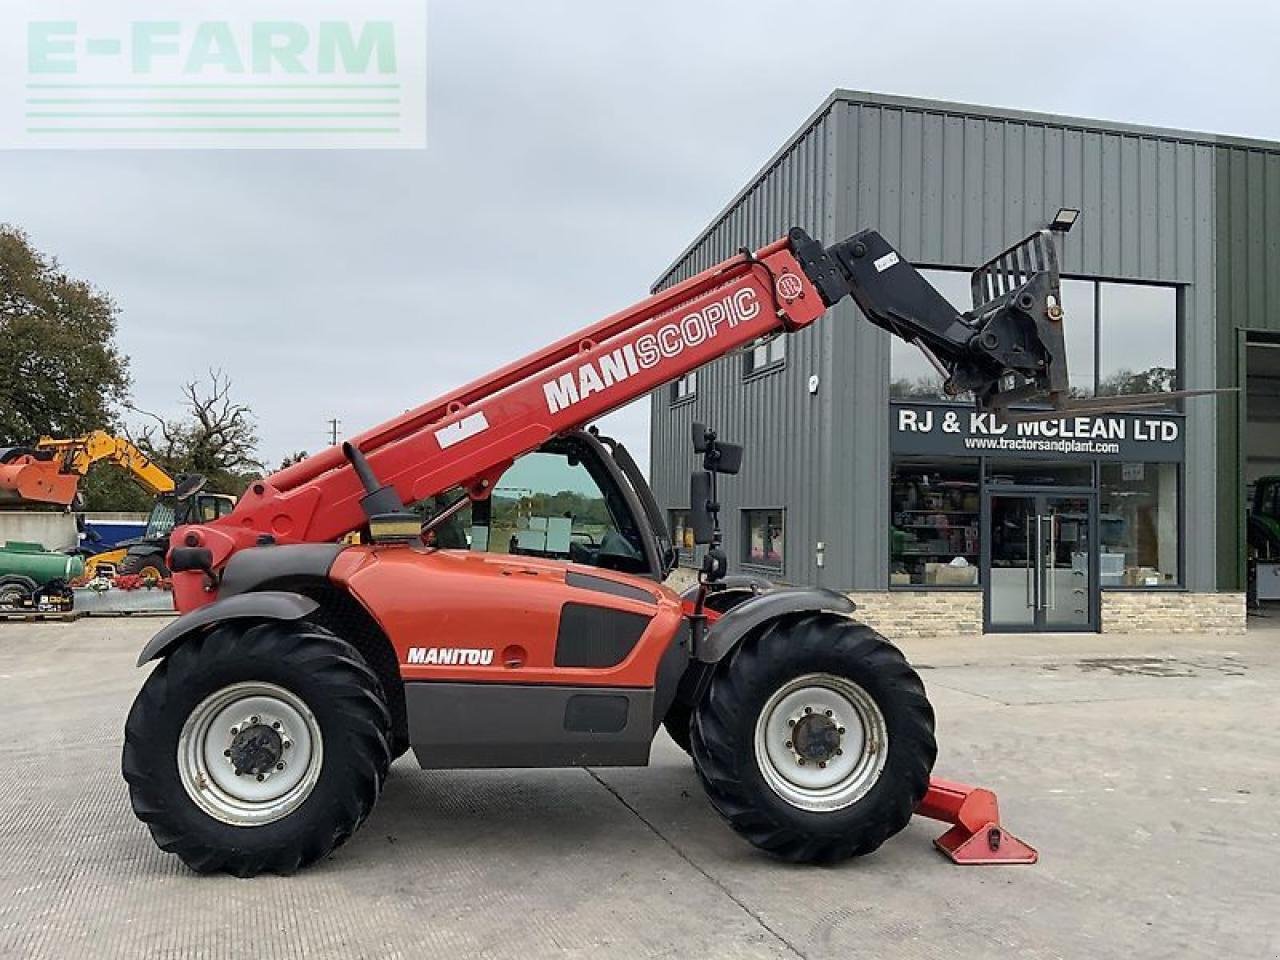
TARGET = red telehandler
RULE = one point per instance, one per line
(493, 626)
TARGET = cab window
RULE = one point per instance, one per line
(547, 504)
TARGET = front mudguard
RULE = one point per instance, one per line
(727, 631)
(265, 605)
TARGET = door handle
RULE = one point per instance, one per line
(1037, 568)
(1052, 565)
(1030, 561)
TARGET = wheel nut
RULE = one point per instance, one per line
(226, 753)
(279, 766)
(808, 709)
(261, 778)
(788, 744)
(822, 764)
(802, 761)
(276, 725)
(791, 723)
(839, 729)
(828, 713)
(234, 731)
(288, 744)
(253, 719)
(839, 752)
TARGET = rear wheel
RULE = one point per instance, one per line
(815, 740)
(258, 747)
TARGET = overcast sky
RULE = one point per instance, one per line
(573, 150)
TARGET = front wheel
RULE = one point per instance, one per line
(258, 747)
(815, 740)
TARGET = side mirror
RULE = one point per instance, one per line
(699, 507)
(723, 457)
(717, 456)
(700, 438)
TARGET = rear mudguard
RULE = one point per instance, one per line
(728, 630)
(266, 605)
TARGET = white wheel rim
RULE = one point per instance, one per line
(275, 777)
(821, 742)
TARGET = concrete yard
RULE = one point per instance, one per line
(1146, 770)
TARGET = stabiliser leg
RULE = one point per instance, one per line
(976, 836)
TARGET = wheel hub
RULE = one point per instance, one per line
(816, 738)
(256, 749)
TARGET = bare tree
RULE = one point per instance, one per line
(217, 438)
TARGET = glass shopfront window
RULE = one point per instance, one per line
(911, 376)
(1080, 306)
(1137, 339)
(933, 523)
(1121, 338)
(1138, 525)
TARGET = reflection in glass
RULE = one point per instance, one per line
(911, 376)
(1138, 345)
(763, 544)
(1080, 307)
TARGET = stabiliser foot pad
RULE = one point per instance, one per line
(976, 836)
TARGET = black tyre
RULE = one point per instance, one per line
(854, 739)
(258, 747)
(15, 591)
(149, 566)
(677, 722)
(680, 715)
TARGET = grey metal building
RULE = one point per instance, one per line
(1174, 271)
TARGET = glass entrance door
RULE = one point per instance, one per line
(1042, 554)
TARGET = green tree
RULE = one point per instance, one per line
(61, 373)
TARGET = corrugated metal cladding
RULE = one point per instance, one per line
(949, 185)
(783, 433)
(1248, 300)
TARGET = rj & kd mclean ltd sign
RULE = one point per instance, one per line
(938, 429)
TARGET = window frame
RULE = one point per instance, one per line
(979, 587)
(1179, 583)
(684, 553)
(744, 554)
(772, 364)
(1179, 296)
(691, 393)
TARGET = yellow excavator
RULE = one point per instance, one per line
(50, 470)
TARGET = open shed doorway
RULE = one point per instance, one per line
(1261, 444)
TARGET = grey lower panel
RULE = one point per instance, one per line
(453, 725)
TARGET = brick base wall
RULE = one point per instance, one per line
(903, 614)
(900, 614)
(1160, 612)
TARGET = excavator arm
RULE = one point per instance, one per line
(50, 471)
(1011, 345)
